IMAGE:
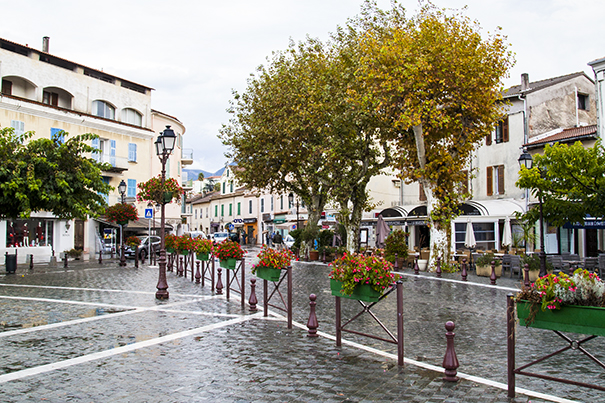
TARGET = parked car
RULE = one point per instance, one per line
(197, 234)
(219, 237)
(144, 247)
(289, 241)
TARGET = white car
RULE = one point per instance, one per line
(219, 237)
(197, 234)
(289, 241)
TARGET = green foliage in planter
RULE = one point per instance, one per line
(486, 260)
(533, 262)
(297, 235)
(396, 243)
(74, 253)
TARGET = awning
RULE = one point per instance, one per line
(143, 223)
(108, 223)
(588, 223)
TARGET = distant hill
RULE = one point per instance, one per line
(192, 174)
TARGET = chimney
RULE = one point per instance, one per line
(524, 82)
(45, 43)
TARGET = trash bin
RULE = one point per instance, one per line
(11, 263)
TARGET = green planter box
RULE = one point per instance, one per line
(268, 273)
(170, 250)
(167, 197)
(570, 318)
(363, 292)
(184, 252)
(203, 256)
(228, 264)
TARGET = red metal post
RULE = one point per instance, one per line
(243, 284)
(416, 268)
(289, 307)
(464, 273)
(265, 298)
(438, 267)
(227, 281)
(338, 319)
(400, 357)
(198, 275)
(492, 277)
(219, 283)
(510, 343)
(526, 275)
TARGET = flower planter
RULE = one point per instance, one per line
(184, 252)
(268, 273)
(228, 263)
(203, 256)
(422, 264)
(486, 271)
(167, 197)
(363, 292)
(170, 250)
(570, 318)
(313, 255)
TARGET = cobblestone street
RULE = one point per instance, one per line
(96, 333)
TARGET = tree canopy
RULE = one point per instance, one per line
(570, 180)
(49, 174)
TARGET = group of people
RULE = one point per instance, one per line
(275, 239)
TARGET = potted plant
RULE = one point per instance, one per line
(133, 242)
(361, 277)
(184, 244)
(533, 263)
(228, 253)
(396, 244)
(484, 265)
(560, 302)
(269, 263)
(203, 248)
(152, 190)
(170, 243)
(74, 253)
(121, 213)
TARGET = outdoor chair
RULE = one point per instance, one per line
(506, 264)
(515, 266)
(591, 264)
(601, 264)
(556, 261)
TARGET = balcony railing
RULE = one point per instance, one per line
(187, 156)
(118, 164)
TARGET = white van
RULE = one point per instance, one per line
(197, 234)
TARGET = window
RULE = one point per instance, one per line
(19, 127)
(484, 235)
(281, 202)
(495, 180)
(262, 205)
(195, 214)
(222, 210)
(50, 98)
(231, 187)
(206, 213)
(249, 206)
(7, 87)
(96, 144)
(103, 109)
(502, 131)
(230, 209)
(271, 203)
(224, 185)
(239, 208)
(131, 190)
(132, 117)
(132, 152)
(57, 134)
(216, 210)
(112, 152)
(583, 102)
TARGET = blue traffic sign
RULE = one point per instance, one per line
(148, 213)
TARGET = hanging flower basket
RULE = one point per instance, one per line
(121, 213)
(228, 263)
(268, 273)
(569, 318)
(270, 262)
(203, 256)
(152, 190)
(363, 292)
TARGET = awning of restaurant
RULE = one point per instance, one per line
(143, 223)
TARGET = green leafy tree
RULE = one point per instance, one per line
(437, 81)
(200, 176)
(570, 180)
(50, 175)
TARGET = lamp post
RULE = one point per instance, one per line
(122, 190)
(163, 148)
(291, 200)
(525, 160)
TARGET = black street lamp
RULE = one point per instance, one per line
(163, 148)
(122, 190)
(525, 160)
(291, 200)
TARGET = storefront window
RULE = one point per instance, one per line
(33, 232)
(484, 235)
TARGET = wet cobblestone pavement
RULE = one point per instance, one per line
(96, 333)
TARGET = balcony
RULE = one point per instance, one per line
(187, 156)
(118, 164)
(187, 185)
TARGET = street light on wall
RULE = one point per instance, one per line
(163, 148)
(525, 160)
(122, 190)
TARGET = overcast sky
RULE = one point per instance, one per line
(193, 53)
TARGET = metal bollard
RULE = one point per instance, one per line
(219, 283)
(136, 258)
(438, 267)
(180, 268)
(492, 277)
(395, 266)
(312, 324)
(450, 361)
(526, 275)
(31, 262)
(65, 261)
(101, 257)
(464, 273)
(253, 301)
(198, 275)
(416, 268)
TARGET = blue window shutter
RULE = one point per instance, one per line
(112, 152)
(132, 188)
(132, 152)
(56, 133)
(96, 144)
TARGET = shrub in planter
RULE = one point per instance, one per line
(484, 265)
(396, 244)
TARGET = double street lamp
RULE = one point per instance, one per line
(525, 160)
(122, 190)
(163, 148)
